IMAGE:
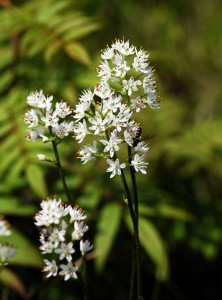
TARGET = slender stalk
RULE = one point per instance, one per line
(59, 167)
(136, 241)
(136, 209)
(84, 287)
(134, 185)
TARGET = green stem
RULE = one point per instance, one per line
(134, 185)
(84, 287)
(59, 167)
(136, 209)
(136, 242)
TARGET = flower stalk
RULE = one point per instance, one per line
(61, 174)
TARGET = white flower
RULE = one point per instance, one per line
(47, 247)
(139, 164)
(63, 129)
(141, 148)
(112, 144)
(123, 47)
(88, 152)
(38, 99)
(98, 123)
(122, 118)
(57, 236)
(6, 251)
(104, 71)
(131, 85)
(31, 118)
(107, 53)
(79, 229)
(50, 119)
(115, 167)
(62, 109)
(103, 90)
(76, 213)
(65, 251)
(51, 213)
(34, 134)
(140, 61)
(121, 67)
(80, 131)
(138, 103)
(51, 268)
(4, 225)
(68, 271)
(128, 138)
(85, 246)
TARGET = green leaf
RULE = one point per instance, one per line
(13, 206)
(108, 224)
(14, 173)
(80, 31)
(10, 279)
(168, 211)
(154, 246)
(35, 177)
(77, 52)
(51, 50)
(26, 253)
(9, 159)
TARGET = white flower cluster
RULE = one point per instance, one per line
(44, 115)
(61, 227)
(6, 251)
(126, 86)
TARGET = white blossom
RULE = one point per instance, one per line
(85, 246)
(68, 271)
(115, 167)
(65, 251)
(79, 229)
(139, 164)
(50, 268)
(60, 236)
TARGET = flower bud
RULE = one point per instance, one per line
(41, 157)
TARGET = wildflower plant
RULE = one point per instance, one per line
(61, 226)
(126, 85)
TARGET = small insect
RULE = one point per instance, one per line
(137, 136)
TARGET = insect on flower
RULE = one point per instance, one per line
(136, 137)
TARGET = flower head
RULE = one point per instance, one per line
(126, 85)
(61, 231)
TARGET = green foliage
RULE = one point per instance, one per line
(107, 226)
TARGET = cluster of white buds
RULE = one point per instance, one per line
(62, 232)
(126, 86)
(6, 251)
(45, 120)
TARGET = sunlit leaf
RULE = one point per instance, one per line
(168, 211)
(154, 246)
(35, 177)
(108, 224)
(77, 52)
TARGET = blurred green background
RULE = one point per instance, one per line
(55, 45)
